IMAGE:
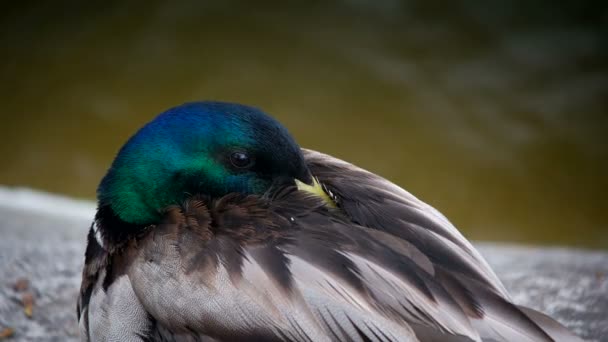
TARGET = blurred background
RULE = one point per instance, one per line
(494, 112)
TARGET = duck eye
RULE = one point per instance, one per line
(240, 159)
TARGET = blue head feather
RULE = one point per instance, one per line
(186, 150)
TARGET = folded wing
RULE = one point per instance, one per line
(383, 266)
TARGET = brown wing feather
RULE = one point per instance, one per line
(247, 266)
(374, 202)
(244, 266)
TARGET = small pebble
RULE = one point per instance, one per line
(6, 333)
(21, 284)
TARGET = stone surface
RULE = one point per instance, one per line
(569, 285)
(42, 241)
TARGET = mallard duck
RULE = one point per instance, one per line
(214, 225)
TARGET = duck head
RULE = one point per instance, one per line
(210, 148)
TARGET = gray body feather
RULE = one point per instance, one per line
(284, 267)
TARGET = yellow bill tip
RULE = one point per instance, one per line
(317, 190)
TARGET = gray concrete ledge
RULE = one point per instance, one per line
(42, 239)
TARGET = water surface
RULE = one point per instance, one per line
(496, 114)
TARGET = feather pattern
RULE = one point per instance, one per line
(382, 266)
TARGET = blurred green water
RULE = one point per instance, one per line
(494, 112)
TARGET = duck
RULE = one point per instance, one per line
(213, 224)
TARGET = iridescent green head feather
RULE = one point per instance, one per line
(213, 148)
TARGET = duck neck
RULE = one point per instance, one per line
(114, 231)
